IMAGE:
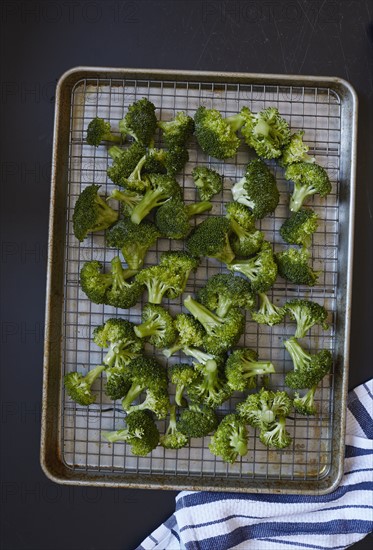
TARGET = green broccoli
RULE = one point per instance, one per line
(160, 161)
(110, 288)
(178, 130)
(169, 278)
(306, 405)
(123, 344)
(172, 218)
(173, 438)
(275, 435)
(211, 238)
(261, 269)
(243, 368)
(128, 200)
(147, 375)
(117, 383)
(133, 240)
(190, 334)
(140, 121)
(306, 314)
(161, 188)
(78, 387)
(210, 386)
(221, 332)
(266, 132)
(157, 325)
(182, 375)
(216, 135)
(295, 151)
(202, 356)
(126, 162)
(268, 313)
(245, 239)
(263, 408)
(299, 228)
(207, 181)
(257, 189)
(91, 213)
(99, 130)
(224, 291)
(230, 439)
(141, 433)
(308, 179)
(293, 266)
(197, 421)
(308, 369)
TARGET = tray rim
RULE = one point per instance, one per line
(60, 474)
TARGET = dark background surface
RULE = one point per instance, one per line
(41, 40)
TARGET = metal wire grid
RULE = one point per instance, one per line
(315, 110)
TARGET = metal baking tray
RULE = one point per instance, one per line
(72, 450)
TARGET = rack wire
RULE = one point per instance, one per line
(317, 110)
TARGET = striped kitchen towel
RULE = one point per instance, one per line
(221, 521)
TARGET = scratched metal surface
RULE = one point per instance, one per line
(312, 462)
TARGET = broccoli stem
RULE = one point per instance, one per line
(224, 306)
(148, 328)
(173, 349)
(119, 435)
(208, 320)
(152, 199)
(198, 208)
(118, 274)
(300, 193)
(261, 128)
(115, 152)
(156, 291)
(238, 441)
(235, 121)
(199, 355)
(297, 353)
(93, 374)
(132, 394)
(128, 198)
(107, 216)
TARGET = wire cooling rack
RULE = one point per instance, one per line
(316, 110)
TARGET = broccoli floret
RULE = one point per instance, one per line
(181, 262)
(263, 408)
(245, 239)
(140, 121)
(133, 240)
(128, 200)
(276, 435)
(221, 332)
(178, 130)
(216, 135)
(308, 179)
(224, 291)
(173, 438)
(157, 325)
(99, 130)
(257, 189)
(197, 421)
(91, 213)
(266, 132)
(293, 266)
(119, 337)
(182, 375)
(210, 386)
(172, 218)
(296, 150)
(242, 369)
(147, 375)
(308, 369)
(230, 439)
(141, 433)
(261, 269)
(306, 314)
(268, 313)
(126, 161)
(117, 383)
(299, 228)
(306, 405)
(78, 387)
(109, 288)
(211, 238)
(161, 188)
(160, 161)
(190, 334)
(207, 181)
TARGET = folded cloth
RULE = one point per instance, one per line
(221, 521)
